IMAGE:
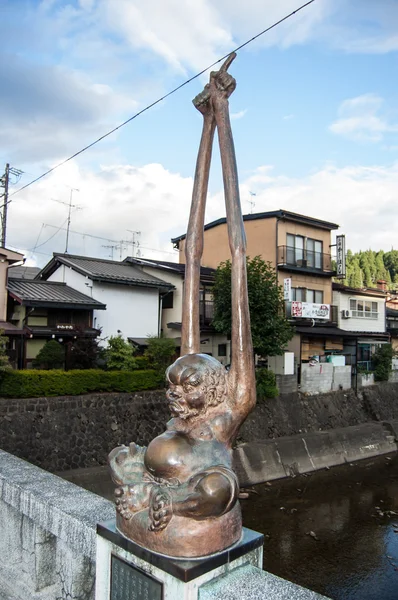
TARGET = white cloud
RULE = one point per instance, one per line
(288, 117)
(362, 200)
(150, 199)
(360, 119)
(238, 115)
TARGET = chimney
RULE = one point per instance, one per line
(382, 284)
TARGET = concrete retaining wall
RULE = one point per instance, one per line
(324, 377)
(48, 534)
(256, 462)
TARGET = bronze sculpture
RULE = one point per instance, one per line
(179, 496)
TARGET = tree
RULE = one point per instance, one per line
(160, 352)
(4, 360)
(84, 353)
(382, 362)
(119, 354)
(270, 329)
(51, 356)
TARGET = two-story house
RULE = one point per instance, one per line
(132, 297)
(212, 342)
(298, 247)
(361, 315)
(45, 310)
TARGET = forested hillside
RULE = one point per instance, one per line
(364, 269)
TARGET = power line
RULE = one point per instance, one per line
(173, 91)
(50, 238)
(98, 237)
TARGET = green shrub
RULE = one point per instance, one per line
(51, 356)
(266, 384)
(119, 354)
(382, 361)
(142, 362)
(34, 384)
(160, 352)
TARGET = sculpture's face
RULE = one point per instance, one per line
(191, 385)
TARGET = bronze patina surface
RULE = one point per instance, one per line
(179, 496)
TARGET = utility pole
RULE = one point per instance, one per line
(4, 183)
(70, 206)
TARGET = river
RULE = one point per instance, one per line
(334, 531)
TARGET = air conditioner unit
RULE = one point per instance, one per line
(346, 314)
(302, 262)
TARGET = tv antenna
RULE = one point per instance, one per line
(70, 206)
(252, 202)
(135, 243)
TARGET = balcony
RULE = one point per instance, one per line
(206, 312)
(305, 261)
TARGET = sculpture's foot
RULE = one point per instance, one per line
(130, 499)
(184, 538)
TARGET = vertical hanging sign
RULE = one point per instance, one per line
(287, 289)
(340, 256)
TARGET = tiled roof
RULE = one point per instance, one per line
(279, 214)
(166, 265)
(107, 271)
(22, 272)
(50, 293)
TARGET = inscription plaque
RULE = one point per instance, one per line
(130, 583)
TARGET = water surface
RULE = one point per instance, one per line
(335, 531)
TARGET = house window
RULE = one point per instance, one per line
(304, 295)
(168, 300)
(304, 252)
(363, 309)
(222, 349)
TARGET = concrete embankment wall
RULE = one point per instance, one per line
(256, 462)
(313, 432)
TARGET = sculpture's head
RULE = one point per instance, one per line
(196, 381)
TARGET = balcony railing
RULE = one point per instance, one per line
(306, 260)
(206, 308)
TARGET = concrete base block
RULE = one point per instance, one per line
(179, 578)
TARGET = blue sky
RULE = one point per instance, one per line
(315, 115)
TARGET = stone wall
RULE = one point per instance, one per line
(70, 432)
(65, 433)
(297, 413)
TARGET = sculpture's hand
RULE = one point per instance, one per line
(127, 464)
(222, 84)
(130, 499)
(202, 102)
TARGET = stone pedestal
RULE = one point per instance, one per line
(127, 571)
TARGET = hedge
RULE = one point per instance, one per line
(35, 384)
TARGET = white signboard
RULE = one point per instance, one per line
(287, 289)
(340, 256)
(308, 310)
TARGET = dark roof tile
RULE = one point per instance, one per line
(48, 293)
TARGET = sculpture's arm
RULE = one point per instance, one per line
(241, 374)
(190, 332)
(208, 494)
